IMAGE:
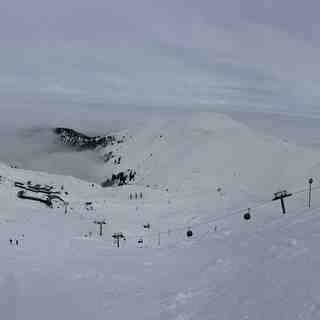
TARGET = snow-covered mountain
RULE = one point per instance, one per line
(203, 151)
(199, 173)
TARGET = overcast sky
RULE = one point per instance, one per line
(261, 53)
(72, 62)
(102, 20)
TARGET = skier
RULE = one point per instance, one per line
(140, 243)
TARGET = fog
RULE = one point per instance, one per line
(101, 66)
(27, 139)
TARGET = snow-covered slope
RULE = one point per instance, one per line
(204, 151)
(229, 269)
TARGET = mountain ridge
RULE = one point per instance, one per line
(76, 139)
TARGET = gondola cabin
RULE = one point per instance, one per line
(189, 233)
(247, 216)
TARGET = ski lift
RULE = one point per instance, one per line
(247, 215)
(189, 233)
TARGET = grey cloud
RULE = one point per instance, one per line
(102, 21)
(73, 63)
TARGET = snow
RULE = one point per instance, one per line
(264, 268)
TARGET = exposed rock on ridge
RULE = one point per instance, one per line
(81, 141)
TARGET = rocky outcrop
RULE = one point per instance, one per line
(80, 141)
(120, 179)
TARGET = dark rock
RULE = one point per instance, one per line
(81, 141)
(119, 179)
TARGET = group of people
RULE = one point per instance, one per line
(15, 242)
(135, 195)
